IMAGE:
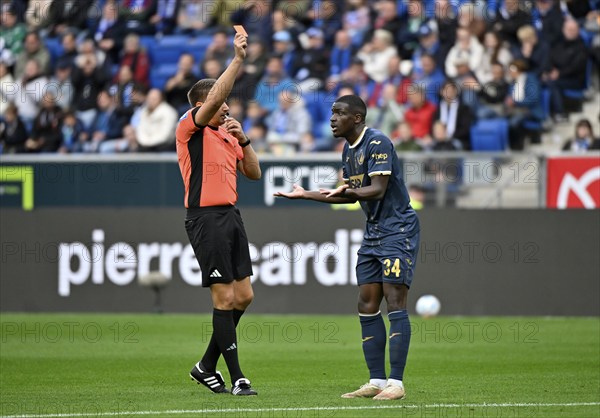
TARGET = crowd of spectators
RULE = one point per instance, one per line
(427, 70)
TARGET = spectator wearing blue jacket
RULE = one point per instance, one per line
(283, 46)
(106, 124)
(431, 78)
(341, 53)
(523, 101)
(429, 44)
(548, 20)
(272, 84)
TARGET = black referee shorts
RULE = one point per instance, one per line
(220, 243)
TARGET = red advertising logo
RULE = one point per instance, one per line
(573, 182)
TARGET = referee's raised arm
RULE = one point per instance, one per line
(221, 89)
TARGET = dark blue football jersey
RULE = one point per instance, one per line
(391, 218)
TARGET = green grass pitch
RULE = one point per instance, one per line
(137, 365)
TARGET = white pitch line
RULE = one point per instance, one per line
(308, 408)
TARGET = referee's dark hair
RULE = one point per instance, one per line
(355, 104)
(200, 90)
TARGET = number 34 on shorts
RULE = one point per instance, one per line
(397, 270)
(392, 267)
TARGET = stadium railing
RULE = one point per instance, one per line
(445, 179)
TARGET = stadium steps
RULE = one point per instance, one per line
(514, 188)
(522, 192)
(553, 140)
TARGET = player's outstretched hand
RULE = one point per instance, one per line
(296, 193)
(335, 192)
(240, 42)
(234, 127)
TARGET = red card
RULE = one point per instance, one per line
(240, 29)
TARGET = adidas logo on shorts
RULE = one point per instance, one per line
(215, 273)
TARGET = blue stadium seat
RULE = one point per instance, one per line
(168, 70)
(148, 42)
(174, 40)
(535, 125)
(168, 49)
(197, 47)
(54, 48)
(319, 105)
(158, 80)
(579, 94)
(490, 135)
(166, 55)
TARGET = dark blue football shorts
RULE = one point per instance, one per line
(389, 262)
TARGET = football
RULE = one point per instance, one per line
(428, 306)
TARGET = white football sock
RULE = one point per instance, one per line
(396, 382)
(378, 382)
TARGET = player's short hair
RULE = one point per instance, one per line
(200, 90)
(355, 104)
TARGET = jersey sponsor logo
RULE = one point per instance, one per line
(375, 142)
(377, 156)
(356, 181)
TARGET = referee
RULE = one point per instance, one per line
(211, 147)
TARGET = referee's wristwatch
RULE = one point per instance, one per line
(245, 144)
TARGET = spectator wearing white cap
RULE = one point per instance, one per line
(429, 44)
(312, 64)
(283, 46)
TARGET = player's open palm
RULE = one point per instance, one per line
(296, 193)
(240, 42)
(335, 192)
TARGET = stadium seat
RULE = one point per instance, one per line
(148, 42)
(535, 127)
(168, 70)
(55, 48)
(166, 55)
(158, 80)
(197, 47)
(579, 94)
(490, 135)
(168, 49)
